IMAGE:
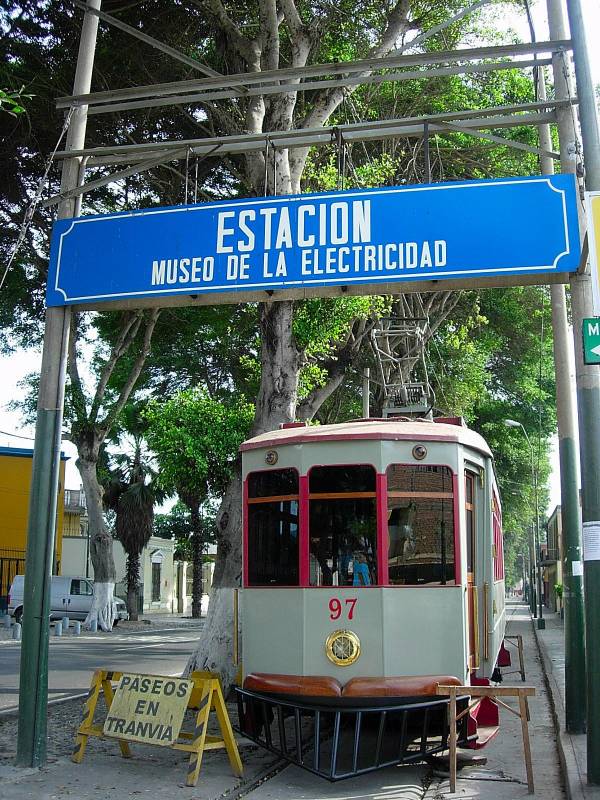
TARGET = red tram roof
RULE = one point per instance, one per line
(375, 429)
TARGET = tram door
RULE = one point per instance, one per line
(472, 598)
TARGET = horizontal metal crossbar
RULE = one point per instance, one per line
(174, 154)
(209, 97)
(343, 68)
(499, 140)
(150, 40)
(496, 117)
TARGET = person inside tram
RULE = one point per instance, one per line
(401, 532)
(361, 573)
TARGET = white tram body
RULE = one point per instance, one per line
(371, 550)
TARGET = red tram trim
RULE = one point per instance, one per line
(457, 538)
(303, 533)
(277, 441)
(245, 583)
(382, 529)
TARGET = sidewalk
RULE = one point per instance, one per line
(160, 772)
(572, 749)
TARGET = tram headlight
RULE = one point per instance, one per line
(419, 452)
(342, 648)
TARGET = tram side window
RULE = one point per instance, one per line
(420, 525)
(272, 510)
(343, 526)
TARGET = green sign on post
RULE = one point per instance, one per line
(591, 340)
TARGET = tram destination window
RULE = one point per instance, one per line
(343, 526)
(273, 528)
(420, 525)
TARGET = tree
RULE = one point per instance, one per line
(195, 439)
(131, 493)
(292, 34)
(176, 525)
(292, 376)
(90, 424)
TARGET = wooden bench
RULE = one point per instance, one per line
(494, 693)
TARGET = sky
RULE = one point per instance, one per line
(13, 369)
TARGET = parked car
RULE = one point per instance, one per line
(69, 597)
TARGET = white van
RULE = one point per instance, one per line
(69, 597)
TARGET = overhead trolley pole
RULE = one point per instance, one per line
(588, 398)
(575, 695)
(41, 525)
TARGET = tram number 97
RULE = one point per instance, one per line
(337, 608)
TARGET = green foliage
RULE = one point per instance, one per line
(196, 439)
(177, 526)
(494, 361)
(11, 102)
(484, 359)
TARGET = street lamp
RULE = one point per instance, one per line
(511, 423)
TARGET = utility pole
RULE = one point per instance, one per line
(568, 450)
(41, 526)
(588, 400)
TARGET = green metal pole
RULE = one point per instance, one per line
(588, 397)
(41, 525)
(575, 681)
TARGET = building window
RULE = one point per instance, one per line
(343, 526)
(420, 525)
(272, 513)
(155, 581)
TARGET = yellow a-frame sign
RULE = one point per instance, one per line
(206, 696)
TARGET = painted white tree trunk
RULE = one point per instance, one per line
(215, 648)
(104, 608)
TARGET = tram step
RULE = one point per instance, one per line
(485, 733)
(484, 723)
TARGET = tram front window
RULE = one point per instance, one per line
(343, 526)
(273, 528)
(420, 525)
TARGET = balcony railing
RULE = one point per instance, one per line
(74, 499)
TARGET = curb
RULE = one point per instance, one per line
(573, 776)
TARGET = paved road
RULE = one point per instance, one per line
(72, 660)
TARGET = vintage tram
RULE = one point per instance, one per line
(372, 572)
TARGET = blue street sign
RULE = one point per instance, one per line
(507, 226)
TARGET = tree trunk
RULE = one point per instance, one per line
(103, 608)
(280, 360)
(133, 584)
(276, 404)
(197, 551)
(216, 646)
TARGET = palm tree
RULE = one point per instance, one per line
(131, 493)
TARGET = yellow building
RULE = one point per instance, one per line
(15, 482)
